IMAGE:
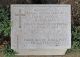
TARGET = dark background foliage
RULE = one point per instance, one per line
(4, 23)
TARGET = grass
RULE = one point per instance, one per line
(6, 51)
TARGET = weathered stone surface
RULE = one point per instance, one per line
(40, 28)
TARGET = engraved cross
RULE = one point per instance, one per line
(20, 15)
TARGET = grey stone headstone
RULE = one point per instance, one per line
(40, 27)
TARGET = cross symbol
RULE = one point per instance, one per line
(20, 15)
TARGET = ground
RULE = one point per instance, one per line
(69, 54)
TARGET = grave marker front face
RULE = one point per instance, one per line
(40, 29)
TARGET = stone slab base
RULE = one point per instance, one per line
(42, 52)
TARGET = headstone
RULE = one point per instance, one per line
(42, 29)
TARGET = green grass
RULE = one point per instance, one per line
(8, 52)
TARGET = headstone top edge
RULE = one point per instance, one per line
(56, 5)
